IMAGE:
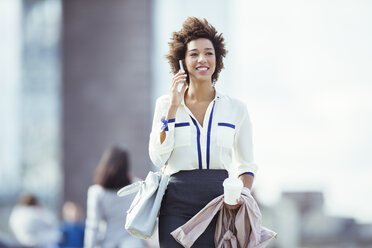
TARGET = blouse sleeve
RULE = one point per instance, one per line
(243, 146)
(160, 152)
(94, 218)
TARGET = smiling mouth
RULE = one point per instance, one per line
(202, 69)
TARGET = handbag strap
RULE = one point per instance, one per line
(130, 189)
(134, 187)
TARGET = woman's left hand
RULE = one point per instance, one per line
(239, 202)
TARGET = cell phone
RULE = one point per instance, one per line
(181, 65)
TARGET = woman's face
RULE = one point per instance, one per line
(200, 59)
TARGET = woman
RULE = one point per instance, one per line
(105, 210)
(196, 130)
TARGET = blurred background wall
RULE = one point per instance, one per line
(77, 80)
(107, 87)
(78, 76)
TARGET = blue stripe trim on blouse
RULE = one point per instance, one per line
(209, 136)
(165, 123)
(198, 143)
(224, 124)
(182, 124)
(249, 173)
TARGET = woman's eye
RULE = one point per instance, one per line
(210, 53)
(193, 54)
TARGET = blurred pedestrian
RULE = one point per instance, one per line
(72, 227)
(32, 224)
(106, 212)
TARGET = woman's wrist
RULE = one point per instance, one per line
(172, 112)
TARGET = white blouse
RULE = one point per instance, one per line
(226, 131)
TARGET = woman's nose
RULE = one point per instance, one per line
(201, 59)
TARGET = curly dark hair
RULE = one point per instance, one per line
(194, 28)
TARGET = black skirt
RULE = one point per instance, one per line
(187, 193)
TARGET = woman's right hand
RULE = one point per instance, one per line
(175, 95)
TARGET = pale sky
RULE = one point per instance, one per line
(10, 61)
(304, 70)
(307, 70)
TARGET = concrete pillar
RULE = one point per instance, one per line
(106, 87)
